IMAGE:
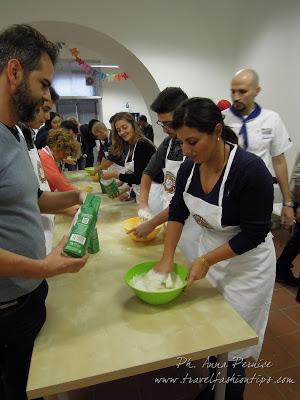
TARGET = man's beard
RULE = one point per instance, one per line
(239, 106)
(24, 105)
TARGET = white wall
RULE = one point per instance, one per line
(179, 43)
(195, 44)
(115, 95)
(269, 43)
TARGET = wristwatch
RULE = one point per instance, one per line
(288, 204)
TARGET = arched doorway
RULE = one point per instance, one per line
(100, 42)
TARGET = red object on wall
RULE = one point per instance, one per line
(223, 104)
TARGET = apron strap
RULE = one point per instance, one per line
(226, 173)
(132, 157)
(169, 148)
(47, 150)
(20, 131)
(188, 182)
(127, 156)
(227, 170)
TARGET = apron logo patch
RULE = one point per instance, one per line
(201, 221)
(169, 182)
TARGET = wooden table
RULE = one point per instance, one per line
(98, 331)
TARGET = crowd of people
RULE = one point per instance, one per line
(211, 180)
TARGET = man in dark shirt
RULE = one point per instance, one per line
(164, 105)
(105, 159)
(146, 128)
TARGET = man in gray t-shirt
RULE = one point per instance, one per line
(26, 70)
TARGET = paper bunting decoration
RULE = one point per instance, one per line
(90, 70)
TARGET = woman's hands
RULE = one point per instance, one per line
(147, 226)
(143, 229)
(110, 175)
(164, 266)
(124, 191)
(198, 270)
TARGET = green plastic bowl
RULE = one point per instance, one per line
(155, 297)
(88, 170)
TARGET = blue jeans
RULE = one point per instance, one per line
(19, 326)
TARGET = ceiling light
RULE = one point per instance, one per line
(104, 66)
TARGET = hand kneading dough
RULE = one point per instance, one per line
(153, 281)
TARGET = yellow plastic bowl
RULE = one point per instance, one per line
(94, 178)
(87, 189)
(133, 222)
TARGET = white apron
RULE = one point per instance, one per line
(116, 168)
(188, 243)
(247, 280)
(170, 173)
(154, 199)
(47, 219)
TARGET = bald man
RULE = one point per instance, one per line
(261, 132)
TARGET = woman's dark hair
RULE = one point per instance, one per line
(202, 114)
(69, 125)
(48, 125)
(27, 45)
(54, 95)
(112, 118)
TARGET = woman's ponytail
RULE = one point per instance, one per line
(228, 135)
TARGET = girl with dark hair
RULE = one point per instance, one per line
(229, 194)
(89, 142)
(126, 131)
(52, 123)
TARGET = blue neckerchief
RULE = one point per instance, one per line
(243, 131)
